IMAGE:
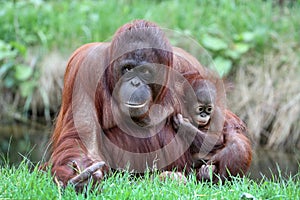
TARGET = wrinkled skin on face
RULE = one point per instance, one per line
(136, 89)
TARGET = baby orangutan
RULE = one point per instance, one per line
(220, 148)
(205, 119)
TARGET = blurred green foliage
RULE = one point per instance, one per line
(15, 75)
(227, 29)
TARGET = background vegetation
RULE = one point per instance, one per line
(254, 45)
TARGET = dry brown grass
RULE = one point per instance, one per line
(46, 96)
(267, 98)
(48, 93)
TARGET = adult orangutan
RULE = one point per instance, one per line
(118, 106)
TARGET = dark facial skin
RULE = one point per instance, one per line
(137, 72)
(135, 94)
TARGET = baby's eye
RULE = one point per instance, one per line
(209, 109)
(200, 109)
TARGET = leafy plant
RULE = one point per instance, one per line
(17, 78)
(226, 51)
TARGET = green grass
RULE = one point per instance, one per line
(21, 183)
